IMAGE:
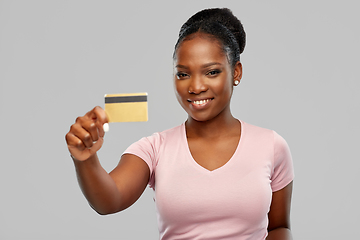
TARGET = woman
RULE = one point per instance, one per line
(214, 176)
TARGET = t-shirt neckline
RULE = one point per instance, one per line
(229, 162)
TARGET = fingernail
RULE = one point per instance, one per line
(106, 127)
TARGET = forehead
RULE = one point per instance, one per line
(200, 48)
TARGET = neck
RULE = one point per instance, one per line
(213, 128)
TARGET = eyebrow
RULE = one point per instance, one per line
(203, 66)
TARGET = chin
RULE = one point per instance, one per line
(200, 118)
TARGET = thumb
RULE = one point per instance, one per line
(82, 155)
(96, 146)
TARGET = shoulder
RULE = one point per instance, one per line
(172, 131)
(150, 148)
(254, 129)
(260, 135)
(261, 132)
(166, 135)
(266, 139)
(157, 139)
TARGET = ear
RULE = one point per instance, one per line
(237, 73)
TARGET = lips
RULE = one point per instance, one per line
(200, 103)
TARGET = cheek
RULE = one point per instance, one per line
(180, 90)
(180, 87)
(224, 87)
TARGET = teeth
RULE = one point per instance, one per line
(200, 102)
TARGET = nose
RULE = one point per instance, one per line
(197, 85)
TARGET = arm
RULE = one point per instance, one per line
(279, 215)
(116, 191)
(106, 193)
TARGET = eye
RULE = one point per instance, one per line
(213, 72)
(181, 75)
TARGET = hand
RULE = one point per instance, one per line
(86, 135)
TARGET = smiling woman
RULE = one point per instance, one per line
(204, 78)
(214, 176)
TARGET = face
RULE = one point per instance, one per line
(204, 79)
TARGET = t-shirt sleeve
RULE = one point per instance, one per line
(147, 149)
(283, 171)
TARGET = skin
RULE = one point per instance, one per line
(202, 74)
(202, 71)
(106, 193)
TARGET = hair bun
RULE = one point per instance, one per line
(223, 16)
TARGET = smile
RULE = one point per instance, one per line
(200, 103)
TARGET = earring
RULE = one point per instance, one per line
(236, 82)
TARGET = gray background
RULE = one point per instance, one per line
(59, 58)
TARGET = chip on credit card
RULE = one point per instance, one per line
(127, 107)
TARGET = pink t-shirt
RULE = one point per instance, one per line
(230, 202)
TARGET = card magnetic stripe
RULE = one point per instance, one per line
(125, 99)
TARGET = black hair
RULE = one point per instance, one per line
(218, 23)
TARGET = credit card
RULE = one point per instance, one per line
(127, 107)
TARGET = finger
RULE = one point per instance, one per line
(101, 119)
(90, 125)
(74, 142)
(78, 151)
(96, 146)
(91, 128)
(81, 133)
(101, 128)
(98, 114)
(87, 152)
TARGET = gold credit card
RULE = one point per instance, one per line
(128, 107)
